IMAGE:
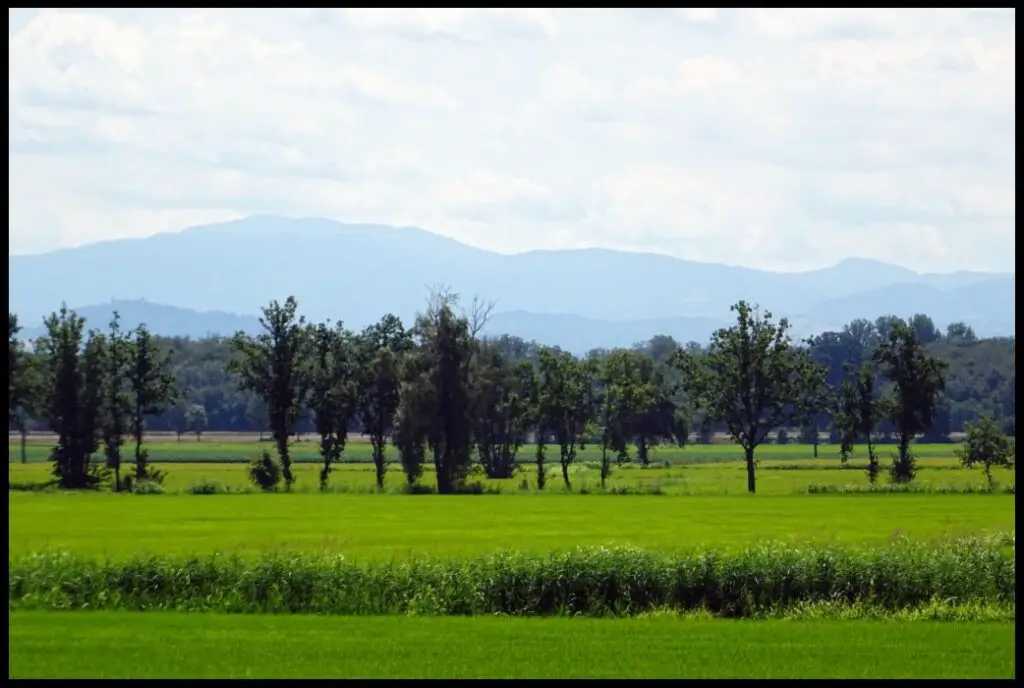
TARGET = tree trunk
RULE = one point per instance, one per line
(565, 476)
(751, 478)
(604, 465)
(117, 478)
(815, 445)
(641, 450)
(24, 445)
(540, 467)
(378, 461)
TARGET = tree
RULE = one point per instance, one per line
(652, 416)
(272, 365)
(500, 410)
(117, 400)
(960, 332)
(857, 412)
(753, 380)
(195, 419)
(69, 369)
(22, 385)
(565, 403)
(153, 392)
(614, 408)
(443, 358)
(986, 446)
(333, 391)
(918, 381)
(379, 349)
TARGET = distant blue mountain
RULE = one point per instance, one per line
(579, 299)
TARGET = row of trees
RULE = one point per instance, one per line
(438, 392)
(92, 389)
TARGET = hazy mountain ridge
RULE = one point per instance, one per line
(577, 298)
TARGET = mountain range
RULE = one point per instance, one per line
(213, 279)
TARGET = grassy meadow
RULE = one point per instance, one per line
(109, 645)
(822, 565)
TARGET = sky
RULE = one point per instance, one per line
(777, 139)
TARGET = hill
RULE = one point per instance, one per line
(357, 273)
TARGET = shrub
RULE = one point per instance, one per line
(762, 581)
(782, 437)
(147, 487)
(265, 471)
(207, 487)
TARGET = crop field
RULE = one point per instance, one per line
(387, 647)
(672, 571)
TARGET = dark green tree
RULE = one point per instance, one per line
(379, 349)
(70, 371)
(918, 381)
(273, 366)
(153, 392)
(565, 403)
(500, 410)
(333, 391)
(753, 380)
(117, 407)
(986, 446)
(857, 413)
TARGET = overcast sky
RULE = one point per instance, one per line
(781, 139)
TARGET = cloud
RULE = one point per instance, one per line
(782, 139)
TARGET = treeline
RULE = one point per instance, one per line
(440, 393)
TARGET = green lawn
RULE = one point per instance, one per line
(368, 526)
(169, 645)
(774, 476)
(218, 451)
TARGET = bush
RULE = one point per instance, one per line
(782, 437)
(265, 471)
(759, 582)
(207, 487)
(147, 487)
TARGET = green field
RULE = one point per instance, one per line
(169, 645)
(224, 448)
(689, 499)
(388, 526)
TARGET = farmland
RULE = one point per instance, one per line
(688, 500)
(666, 512)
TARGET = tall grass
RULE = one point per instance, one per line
(762, 581)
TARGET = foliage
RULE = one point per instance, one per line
(917, 381)
(333, 390)
(986, 446)
(265, 471)
(594, 582)
(153, 389)
(753, 380)
(271, 365)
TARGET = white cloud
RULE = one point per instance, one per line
(782, 139)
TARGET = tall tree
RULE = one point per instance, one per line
(918, 381)
(445, 348)
(565, 403)
(273, 366)
(858, 410)
(379, 349)
(117, 400)
(500, 407)
(332, 392)
(753, 380)
(70, 369)
(153, 392)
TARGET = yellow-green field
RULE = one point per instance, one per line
(689, 499)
